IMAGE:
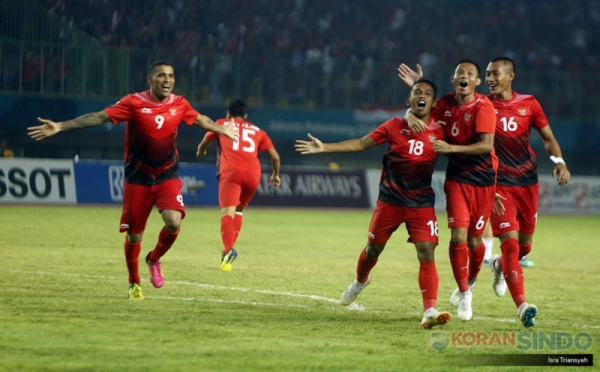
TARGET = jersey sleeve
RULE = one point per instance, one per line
(538, 117)
(382, 133)
(120, 111)
(265, 142)
(437, 112)
(485, 121)
(190, 114)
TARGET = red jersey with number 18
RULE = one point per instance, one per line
(516, 117)
(241, 155)
(463, 124)
(151, 155)
(408, 164)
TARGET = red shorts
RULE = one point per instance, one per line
(468, 206)
(236, 188)
(521, 206)
(421, 223)
(138, 201)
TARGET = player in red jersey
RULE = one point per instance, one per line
(238, 171)
(405, 195)
(469, 122)
(517, 180)
(151, 163)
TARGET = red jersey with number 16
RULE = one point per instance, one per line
(463, 125)
(241, 155)
(516, 117)
(408, 164)
(151, 155)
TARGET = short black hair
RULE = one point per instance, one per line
(159, 62)
(506, 61)
(237, 108)
(427, 81)
(466, 60)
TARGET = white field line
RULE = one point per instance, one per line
(351, 307)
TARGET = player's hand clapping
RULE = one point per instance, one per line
(314, 146)
(48, 129)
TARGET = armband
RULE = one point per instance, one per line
(557, 160)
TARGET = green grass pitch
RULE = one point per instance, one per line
(63, 295)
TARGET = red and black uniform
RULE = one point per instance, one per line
(151, 157)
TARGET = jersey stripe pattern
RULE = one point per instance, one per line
(515, 118)
(240, 156)
(463, 124)
(151, 155)
(408, 164)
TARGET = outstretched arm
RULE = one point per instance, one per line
(553, 149)
(408, 76)
(276, 163)
(315, 146)
(484, 146)
(50, 128)
(229, 130)
(202, 147)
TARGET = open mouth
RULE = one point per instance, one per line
(464, 84)
(421, 104)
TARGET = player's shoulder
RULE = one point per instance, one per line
(524, 98)
(447, 99)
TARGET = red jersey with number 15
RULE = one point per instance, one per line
(151, 155)
(242, 155)
(463, 125)
(516, 117)
(408, 164)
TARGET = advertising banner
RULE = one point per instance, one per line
(37, 181)
(312, 187)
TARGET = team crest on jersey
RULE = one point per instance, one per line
(522, 111)
(432, 138)
(468, 116)
(405, 131)
(173, 111)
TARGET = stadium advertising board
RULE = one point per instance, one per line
(37, 181)
(102, 182)
(580, 195)
(314, 188)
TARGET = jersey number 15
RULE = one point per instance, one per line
(245, 137)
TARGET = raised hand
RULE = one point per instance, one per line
(314, 146)
(408, 76)
(48, 129)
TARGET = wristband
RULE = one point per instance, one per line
(557, 160)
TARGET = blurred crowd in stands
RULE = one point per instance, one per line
(542, 34)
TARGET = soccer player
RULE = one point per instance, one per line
(405, 195)
(151, 163)
(469, 124)
(238, 171)
(517, 180)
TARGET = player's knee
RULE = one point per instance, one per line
(374, 250)
(134, 238)
(173, 226)
(425, 251)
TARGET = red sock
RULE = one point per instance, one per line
(524, 250)
(428, 282)
(165, 241)
(512, 271)
(237, 223)
(459, 258)
(227, 235)
(132, 252)
(365, 264)
(475, 261)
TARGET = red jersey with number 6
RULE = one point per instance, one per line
(516, 117)
(463, 124)
(408, 164)
(241, 155)
(151, 155)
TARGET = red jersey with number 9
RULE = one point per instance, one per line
(151, 155)
(463, 124)
(240, 156)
